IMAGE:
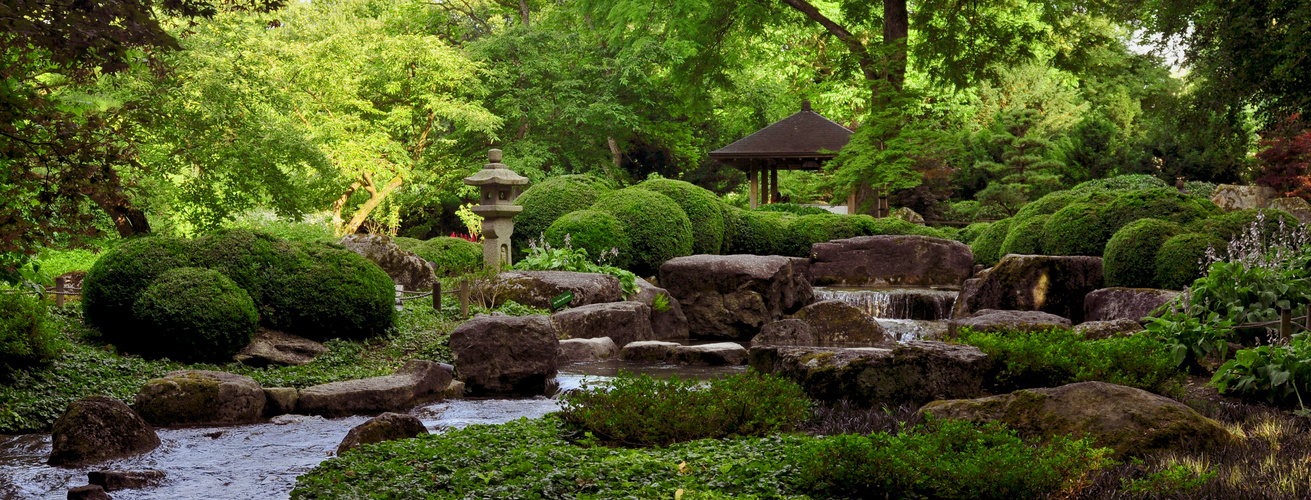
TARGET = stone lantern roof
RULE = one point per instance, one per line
(495, 173)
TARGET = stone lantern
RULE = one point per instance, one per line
(499, 187)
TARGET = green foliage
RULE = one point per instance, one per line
(947, 459)
(594, 231)
(639, 410)
(969, 233)
(1049, 204)
(1200, 188)
(314, 227)
(757, 232)
(1179, 261)
(58, 262)
(1159, 203)
(703, 209)
(1022, 360)
(1025, 169)
(894, 226)
(192, 314)
(26, 337)
(113, 284)
(1276, 373)
(1130, 256)
(259, 263)
(987, 245)
(1025, 236)
(1228, 225)
(1250, 294)
(660, 303)
(546, 201)
(1077, 229)
(972, 211)
(544, 257)
(792, 208)
(1190, 336)
(657, 227)
(1130, 182)
(1173, 479)
(334, 293)
(450, 256)
(804, 231)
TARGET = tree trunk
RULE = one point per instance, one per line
(896, 29)
(523, 12)
(375, 198)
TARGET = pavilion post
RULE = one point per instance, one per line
(773, 185)
(755, 186)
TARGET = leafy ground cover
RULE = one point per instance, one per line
(1056, 357)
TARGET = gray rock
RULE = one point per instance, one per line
(418, 382)
(648, 351)
(913, 373)
(386, 427)
(834, 321)
(114, 480)
(1231, 197)
(717, 354)
(1133, 422)
(88, 492)
(99, 428)
(280, 400)
(992, 320)
(785, 332)
(506, 354)
(891, 261)
(201, 397)
(908, 215)
(669, 324)
(271, 347)
(537, 288)
(1098, 330)
(1051, 284)
(622, 322)
(733, 296)
(454, 391)
(576, 350)
(1124, 303)
(1297, 207)
(403, 266)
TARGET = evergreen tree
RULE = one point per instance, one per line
(1023, 170)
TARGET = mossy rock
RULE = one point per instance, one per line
(1130, 257)
(702, 207)
(1025, 236)
(1162, 203)
(450, 256)
(657, 228)
(201, 397)
(114, 283)
(258, 262)
(758, 233)
(335, 293)
(1077, 229)
(546, 201)
(1179, 262)
(597, 232)
(987, 246)
(193, 315)
(971, 232)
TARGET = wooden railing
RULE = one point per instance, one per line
(462, 294)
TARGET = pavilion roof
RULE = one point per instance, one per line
(805, 134)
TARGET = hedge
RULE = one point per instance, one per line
(703, 209)
(1178, 263)
(756, 232)
(1162, 203)
(1077, 229)
(113, 284)
(792, 208)
(801, 233)
(335, 293)
(987, 246)
(658, 229)
(1228, 225)
(1128, 182)
(545, 202)
(595, 231)
(1130, 257)
(193, 315)
(1025, 236)
(450, 256)
(969, 233)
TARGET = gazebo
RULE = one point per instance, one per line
(803, 141)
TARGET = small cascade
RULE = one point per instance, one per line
(895, 303)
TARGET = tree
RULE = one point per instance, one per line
(1286, 158)
(1022, 171)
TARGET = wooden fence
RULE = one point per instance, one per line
(1287, 323)
(461, 293)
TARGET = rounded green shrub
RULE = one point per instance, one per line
(1049, 204)
(1130, 257)
(113, 284)
(335, 293)
(546, 201)
(949, 232)
(1161, 203)
(657, 228)
(1231, 224)
(193, 315)
(803, 232)
(894, 226)
(702, 207)
(26, 337)
(258, 262)
(450, 256)
(987, 246)
(1077, 229)
(1025, 236)
(757, 233)
(969, 233)
(406, 243)
(1179, 262)
(1127, 182)
(792, 208)
(595, 231)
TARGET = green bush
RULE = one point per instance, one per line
(1179, 262)
(575, 260)
(969, 233)
(703, 209)
(335, 293)
(113, 284)
(1130, 257)
(1228, 225)
(1162, 203)
(757, 233)
(1279, 374)
(1024, 360)
(1077, 229)
(792, 208)
(949, 232)
(987, 245)
(1128, 182)
(803, 232)
(946, 459)
(26, 338)
(1200, 188)
(546, 201)
(1025, 236)
(972, 211)
(1049, 204)
(596, 232)
(657, 227)
(258, 262)
(894, 226)
(406, 243)
(450, 256)
(639, 410)
(192, 314)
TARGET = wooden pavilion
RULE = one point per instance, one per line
(803, 141)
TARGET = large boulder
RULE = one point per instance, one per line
(418, 382)
(114, 480)
(1295, 206)
(403, 266)
(733, 296)
(649, 351)
(891, 261)
(836, 322)
(717, 354)
(1053, 284)
(915, 372)
(623, 322)
(1230, 197)
(1133, 422)
(667, 322)
(1124, 303)
(201, 397)
(992, 320)
(99, 428)
(271, 347)
(537, 288)
(499, 354)
(578, 350)
(386, 427)
(785, 332)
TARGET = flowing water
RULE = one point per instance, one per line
(906, 313)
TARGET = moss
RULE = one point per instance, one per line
(595, 231)
(1025, 236)
(1130, 257)
(192, 314)
(971, 232)
(113, 284)
(987, 246)
(756, 232)
(335, 293)
(1178, 263)
(657, 227)
(1161, 203)
(1077, 229)
(703, 209)
(546, 201)
(450, 256)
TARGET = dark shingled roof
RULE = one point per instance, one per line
(802, 135)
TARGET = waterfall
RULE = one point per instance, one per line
(895, 303)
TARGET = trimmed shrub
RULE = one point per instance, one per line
(113, 284)
(1025, 236)
(1128, 182)
(1179, 262)
(594, 231)
(192, 314)
(258, 262)
(987, 246)
(450, 256)
(792, 208)
(545, 202)
(335, 293)
(702, 207)
(971, 232)
(26, 338)
(1162, 203)
(756, 232)
(1130, 257)
(1077, 229)
(804, 231)
(949, 232)
(1049, 204)
(1228, 225)
(406, 243)
(657, 227)
(894, 226)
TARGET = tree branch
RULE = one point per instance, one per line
(850, 40)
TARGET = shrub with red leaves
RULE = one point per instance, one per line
(1286, 158)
